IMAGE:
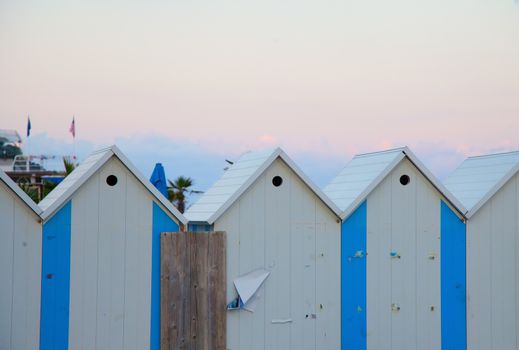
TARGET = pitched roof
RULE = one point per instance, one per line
(366, 171)
(477, 179)
(238, 178)
(19, 192)
(62, 193)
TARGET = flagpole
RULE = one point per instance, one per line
(72, 130)
(27, 138)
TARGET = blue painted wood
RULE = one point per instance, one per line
(199, 227)
(353, 280)
(161, 223)
(55, 281)
(453, 281)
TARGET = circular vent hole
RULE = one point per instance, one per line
(404, 179)
(277, 181)
(111, 180)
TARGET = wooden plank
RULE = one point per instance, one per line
(137, 296)
(6, 265)
(328, 279)
(217, 291)
(166, 321)
(192, 292)
(193, 301)
(229, 222)
(403, 283)
(246, 233)
(111, 256)
(378, 266)
(497, 270)
(428, 265)
(83, 266)
(479, 276)
(516, 264)
(277, 218)
(26, 278)
(508, 267)
(201, 286)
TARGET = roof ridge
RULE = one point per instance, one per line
(489, 155)
(402, 148)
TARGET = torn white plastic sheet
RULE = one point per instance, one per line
(248, 288)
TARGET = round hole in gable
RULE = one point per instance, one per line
(277, 181)
(111, 180)
(404, 180)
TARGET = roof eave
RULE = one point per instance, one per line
(458, 206)
(154, 191)
(21, 194)
(230, 201)
(112, 151)
(278, 153)
(492, 191)
(364, 194)
(54, 207)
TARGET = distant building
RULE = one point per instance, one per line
(10, 147)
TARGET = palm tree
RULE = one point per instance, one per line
(69, 166)
(177, 191)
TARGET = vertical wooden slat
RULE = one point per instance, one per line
(183, 267)
(201, 290)
(193, 292)
(217, 290)
(191, 296)
(165, 320)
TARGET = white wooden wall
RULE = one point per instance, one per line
(290, 232)
(405, 220)
(493, 272)
(110, 272)
(20, 273)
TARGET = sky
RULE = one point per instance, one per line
(191, 83)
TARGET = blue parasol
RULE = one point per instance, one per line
(158, 179)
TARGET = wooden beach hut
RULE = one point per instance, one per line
(488, 186)
(20, 267)
(278, 221)
(100, 283)
(402, 255)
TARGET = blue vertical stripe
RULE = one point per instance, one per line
(55, 281)
(353, 280)
(161, 223)
(453, 281)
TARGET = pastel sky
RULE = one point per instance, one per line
(325, 79)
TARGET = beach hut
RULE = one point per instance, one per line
(277, 221)
(488, 186)
(20, 268)
(100, 286)
(402, 255)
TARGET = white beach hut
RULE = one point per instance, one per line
(403, 255)
(100, 286)
(277, 220)
(20, 268)
(488, 186)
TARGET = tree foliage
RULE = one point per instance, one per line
(178, 190)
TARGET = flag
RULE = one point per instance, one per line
(72, 128)
(28, 126)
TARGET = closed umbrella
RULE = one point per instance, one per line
(158, 179)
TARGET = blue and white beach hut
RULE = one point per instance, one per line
(20, 268)
(101, 257)
(403, 255)
(488, 186)
(277, 220)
